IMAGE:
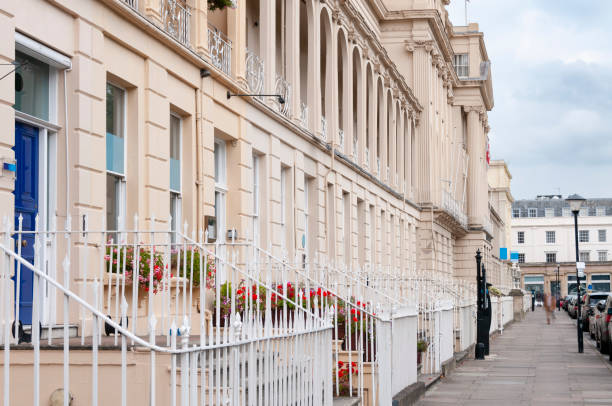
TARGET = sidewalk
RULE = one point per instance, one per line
(530, 364)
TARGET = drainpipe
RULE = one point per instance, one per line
(67, 146)
(198, 124)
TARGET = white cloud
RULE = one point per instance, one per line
(552, 78)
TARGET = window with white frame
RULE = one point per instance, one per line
(602, 256)
(462, 65)
(284, 202)
(600, 282)
(584, 212)
(32, 86)
(571, 283)
(549, 212)
(585, 256)
(520, 237)
(220, 188)
(521, 258)
(256, 201)
(175, 153)
(602, 235)
(566, 212)
(600, 211)
(533, 212)
(550, 237)
(115, 158)
(516, 213)
(551, 257)
(175, 176)
(583, 235)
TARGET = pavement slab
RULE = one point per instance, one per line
(531, 363)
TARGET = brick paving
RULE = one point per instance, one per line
(532, 363)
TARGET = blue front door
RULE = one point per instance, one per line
(26, 205)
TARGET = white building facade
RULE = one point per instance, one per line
(543, 236)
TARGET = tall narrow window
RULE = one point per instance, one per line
(32, 94)
(550, 237)
(306, 217)
(361, 224)
(220, 189)
(175, 175)
(287, 196)
(462, 66)
(602, 235)
(384, 260)
(331, 222)
(372, 236)
(583, 235)
(346, 205)
(256, 201)
(115, 158)
(520, 237)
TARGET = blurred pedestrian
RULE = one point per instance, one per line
(532, 301)
(549, 306)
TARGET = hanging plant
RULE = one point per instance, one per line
(221, 4)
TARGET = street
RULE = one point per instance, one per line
(530, 364)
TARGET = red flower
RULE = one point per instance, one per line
(340, 364)
(352, 311)
(358, 303)
(254, 296)
(355, 319)
(319, 291)
(340, 374)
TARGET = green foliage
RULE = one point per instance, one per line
(220, 4)
(421, 346)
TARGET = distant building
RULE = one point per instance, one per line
(543, 236)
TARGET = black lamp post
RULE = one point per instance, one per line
(558, 295)
(575, 201)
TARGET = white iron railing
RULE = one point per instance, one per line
(304, 114)
(324, 128)
(454, 208)
(220, 341)
(220, 49)
(283, 88)
(254, 72)
(176, 18)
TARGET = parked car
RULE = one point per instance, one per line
(572, 307)
(602, 335)
(588, 305)
(566, 302)
(596, 314)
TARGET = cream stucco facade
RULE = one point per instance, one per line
(377, 158)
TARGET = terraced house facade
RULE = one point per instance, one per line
(348, 132)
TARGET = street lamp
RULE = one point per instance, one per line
(575, 201)
(558, 290)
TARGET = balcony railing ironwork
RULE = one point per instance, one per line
(283, 88)
(454, 208)
(176, 18)
(254, 72)
(220, 48)
(324, 128)
(132, 3)
(341, 139)
(304, 114)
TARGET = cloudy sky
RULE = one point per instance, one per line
(552, 81)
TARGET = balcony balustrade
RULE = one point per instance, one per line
(132, 3)
(454, 208)
(220, 49)
(254, 72)
(341, 139)
(355, 139)
(176, 18)
(367, 157)
(283, 88)
(324, 128)
(304, 115)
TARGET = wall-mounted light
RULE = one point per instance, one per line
(281, 99)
